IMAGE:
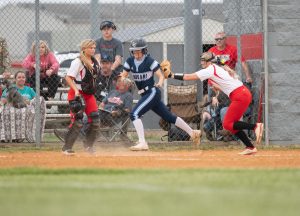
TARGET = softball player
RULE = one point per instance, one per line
(81, 78)
(143, 68)
(239, 95)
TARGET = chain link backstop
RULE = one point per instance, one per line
(174, 29)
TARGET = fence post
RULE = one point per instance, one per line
(94, 8)
(37, 74)
(266, 70)
(193, 39)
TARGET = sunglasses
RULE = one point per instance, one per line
(219, 39)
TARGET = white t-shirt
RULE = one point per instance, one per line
(77, 70)
(221, 77)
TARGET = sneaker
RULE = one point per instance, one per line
(68, 152)
(248, 151)
(60, 134)
(196, 135)
(259, 132)
(90, 150)
(140, 147)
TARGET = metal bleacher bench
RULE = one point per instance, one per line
(62, 103)
(60, 91)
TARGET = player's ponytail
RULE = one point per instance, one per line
(83, 45)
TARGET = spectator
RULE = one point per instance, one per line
(105, 78)
(5, 62)
(215, 112)
(117, 105)
(228, 53)
(25, 91)
(109, 46)
(48, 70)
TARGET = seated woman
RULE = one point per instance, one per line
(26, 92)
(18, 115)
(48, 70)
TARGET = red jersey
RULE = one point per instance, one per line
(229, 54)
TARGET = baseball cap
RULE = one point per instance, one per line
(108, 24)
(106, 58)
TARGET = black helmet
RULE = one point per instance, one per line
(108, 24)
(138, 44)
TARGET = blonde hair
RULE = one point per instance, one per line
(47, 50)
(83, 45)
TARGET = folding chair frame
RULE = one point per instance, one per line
(116, 128)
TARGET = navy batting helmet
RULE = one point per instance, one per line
(138, 44)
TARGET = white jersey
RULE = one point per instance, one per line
(77, 71)
(221, 77)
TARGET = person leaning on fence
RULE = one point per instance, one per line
(81, 78)
(117, 105)
(105, 79)
(48, 70)
(228, 54)
(107, 45)
(239, 95)
(143, 67)
(26, 92)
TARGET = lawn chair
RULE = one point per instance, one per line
(114, 125)
(182, 100)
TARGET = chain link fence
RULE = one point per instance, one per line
(174, 29)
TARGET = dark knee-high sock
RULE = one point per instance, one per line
(239, 125)
(241, 134)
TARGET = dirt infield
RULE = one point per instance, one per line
(123, 158)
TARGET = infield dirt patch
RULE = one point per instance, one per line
(123, 158)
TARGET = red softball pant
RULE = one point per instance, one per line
(90, 104)
(240, 100)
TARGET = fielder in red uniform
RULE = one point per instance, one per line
(239, 95)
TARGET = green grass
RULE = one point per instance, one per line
(149, 192)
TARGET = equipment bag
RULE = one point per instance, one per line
(176, 134)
